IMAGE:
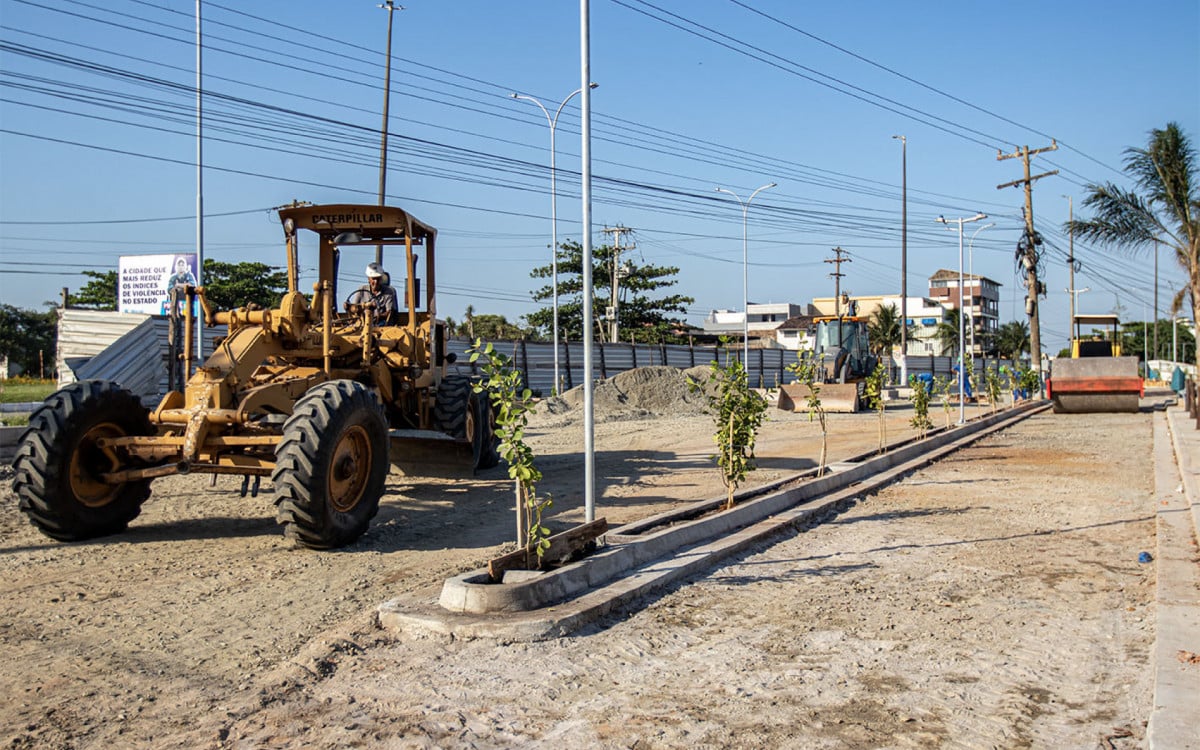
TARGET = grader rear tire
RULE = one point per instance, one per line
(58, 465)
(461, 413)
(489, 453)
(331, 465)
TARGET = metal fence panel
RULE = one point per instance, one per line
(86, 337)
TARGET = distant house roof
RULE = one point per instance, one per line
(802, 322)
(944, 274)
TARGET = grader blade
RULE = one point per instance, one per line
(427, 453)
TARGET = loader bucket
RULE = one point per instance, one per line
(835, 397)
(1095, 384)
(427, 453)
(840, 397)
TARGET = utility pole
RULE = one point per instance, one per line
(903, 259)
(1155, 300)
(1030, 259)
(613, 328)
(1071, 260)
(837, 275)
(387, 93)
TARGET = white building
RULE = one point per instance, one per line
(979, 299)
(761, 325)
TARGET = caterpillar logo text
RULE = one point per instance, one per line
(355, 219)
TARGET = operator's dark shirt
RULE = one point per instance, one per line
(384, 299)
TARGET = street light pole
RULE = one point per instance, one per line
(1075, 301)
(745, 274)
(1071, 257)
(962, 372)
(903, 258)
(971, 273)
(387, 93)
(1174, 338)
(553, 123)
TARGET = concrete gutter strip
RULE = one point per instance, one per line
(543, 607)
(1175, 720)
(620, 579)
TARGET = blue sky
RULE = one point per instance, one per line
(97, 141)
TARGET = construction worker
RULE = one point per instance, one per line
(378, 292)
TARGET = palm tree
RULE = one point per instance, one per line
(1167, 210)
(883, 333)
(883, 329)
(947, 333)
(1012, 339)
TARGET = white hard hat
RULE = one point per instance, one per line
(375, 271)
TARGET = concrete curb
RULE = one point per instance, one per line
(637, 563)
(1176, 713)
(19, 407)
(9, 437)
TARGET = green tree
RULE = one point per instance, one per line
(231, 285)
(227, 286)
(642, 314)
(1135, 340)
(883, 329)
(874, 391)
(26, 333)
(496, 328)
(947, 392)
(98, 294)
(1012, 339)
(1163, 207)
(883, 333)
(946, 333)
(919, 396)
(738, 411)
(512, 404)
(808, 369)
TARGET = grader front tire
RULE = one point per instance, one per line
(331, 465)
(58, 465)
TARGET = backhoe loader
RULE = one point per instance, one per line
(844, 360)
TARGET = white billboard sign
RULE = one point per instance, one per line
(144, 282)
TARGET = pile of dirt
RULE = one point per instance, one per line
(637, 393)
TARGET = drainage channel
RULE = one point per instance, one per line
(649, 554)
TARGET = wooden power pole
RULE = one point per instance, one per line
(837, 275)
(613, 309)
(1029, 253)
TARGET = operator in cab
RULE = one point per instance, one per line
(378, 292)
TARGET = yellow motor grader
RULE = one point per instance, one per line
(317, 398)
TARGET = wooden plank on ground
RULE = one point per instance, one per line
(562, 546)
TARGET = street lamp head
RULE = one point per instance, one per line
(978, 216)
(593, 85)
(900, 138)
(515, 95)
(941, 220)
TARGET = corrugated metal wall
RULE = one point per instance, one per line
(132, 350)
(126, 348)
